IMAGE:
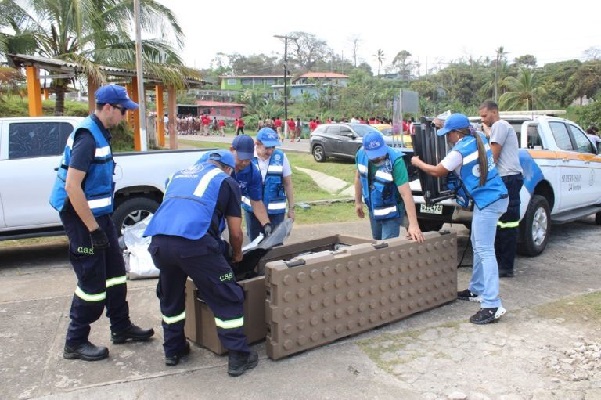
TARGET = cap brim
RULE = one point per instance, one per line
(130, 105)
(271, 143)
(244, 156)
(381, 152)
(443, 131)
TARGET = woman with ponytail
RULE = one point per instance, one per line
(472, 160)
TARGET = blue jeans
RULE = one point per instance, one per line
(485, 275)
(385, 228)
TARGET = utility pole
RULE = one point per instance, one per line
(286, 38)
(140, 73)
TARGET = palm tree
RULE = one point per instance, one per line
(500, 56)
(380, 58)
(97, 32)
(524, 92)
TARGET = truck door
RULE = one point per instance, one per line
(587, 154)
(574, 170)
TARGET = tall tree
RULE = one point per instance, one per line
(98, 32)
(525, 92)
(501, 55)
(380, 59)
(402, 65)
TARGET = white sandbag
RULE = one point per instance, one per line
(138, 262)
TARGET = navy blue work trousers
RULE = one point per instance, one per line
(508, 225)
(202, 260)
(101, 279)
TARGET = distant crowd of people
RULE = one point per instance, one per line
(291, 129)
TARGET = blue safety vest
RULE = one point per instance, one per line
(98, 184)
(246, 179)
(274, 195)
(189, 203)
(382, 195)
(494, 188)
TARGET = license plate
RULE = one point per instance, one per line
(433, 209)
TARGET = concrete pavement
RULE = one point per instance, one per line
(421, 357)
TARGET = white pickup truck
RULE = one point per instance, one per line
(568, 189)
(30, 152)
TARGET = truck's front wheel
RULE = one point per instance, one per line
(535, 227)
(132, 211)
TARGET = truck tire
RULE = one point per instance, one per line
(428, 225)
(535, 227)
(598, 218)
(132, 211)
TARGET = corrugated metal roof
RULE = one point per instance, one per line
(54, 64)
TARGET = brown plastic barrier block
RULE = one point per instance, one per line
(325, 244)
(315, 301)
(200, 325)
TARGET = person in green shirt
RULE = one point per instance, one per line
(382, 182)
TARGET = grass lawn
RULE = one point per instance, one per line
(328, 209)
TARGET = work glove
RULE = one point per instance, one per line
(267, 229)
(99, 239)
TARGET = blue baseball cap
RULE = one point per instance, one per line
(268, 137)
(114, 94)
(453, 122)
(244, 146)
(224, 157)
(374, 145)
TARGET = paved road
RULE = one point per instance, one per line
(432, 355)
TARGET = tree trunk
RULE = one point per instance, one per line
(59, 106)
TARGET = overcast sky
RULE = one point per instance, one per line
(432, 31)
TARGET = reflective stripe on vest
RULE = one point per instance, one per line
(204, 182)
(385, 176)
(102, 152)
(118, 280)
(175, 318)
(246, 200)
(383, 211)
(474, 156)
(276, 206)
(230, 323)
(507, 225)
(99, 203)
(275, 169)
(89, 297)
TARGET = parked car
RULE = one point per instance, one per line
(343, 140)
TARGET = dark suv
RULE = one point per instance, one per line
(342, 140)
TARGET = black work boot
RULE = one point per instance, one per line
(85, 351)
(133, 333)
(239, 362)
(172, 361)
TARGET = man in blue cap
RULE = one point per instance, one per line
(83, 196)
(186, 242)
(276, 176)
(382, 181)
(249, 178)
